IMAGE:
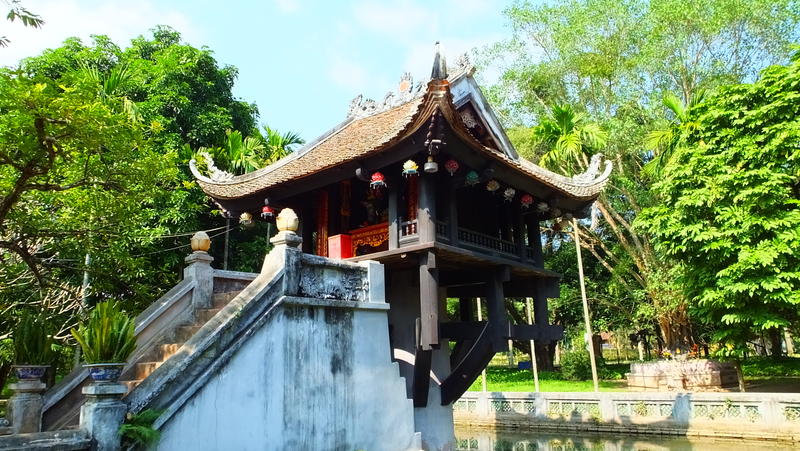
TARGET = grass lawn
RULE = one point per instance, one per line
(762, 374)
(510, 379)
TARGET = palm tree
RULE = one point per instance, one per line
(279, 145)
(240, 155)
(663, 142)
(568, 138)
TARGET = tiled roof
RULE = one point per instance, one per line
(359, 137)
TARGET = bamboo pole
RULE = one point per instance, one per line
(589, 340)
(534, 366)
(480, 318)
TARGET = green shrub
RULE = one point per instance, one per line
(33, 343)
(137, 432)
(108, 335)
(576, 366)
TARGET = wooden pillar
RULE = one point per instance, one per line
(426, 209)
(322, 223)
(534, 238)
(452, 205)
(540, 313)
(495, 304)
(428, 301)
(519, 232)
(394, 219)
(465, 309)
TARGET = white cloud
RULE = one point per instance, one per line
(288, 6)
(120, 20)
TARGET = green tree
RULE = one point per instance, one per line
(614, 61)
(18, 12)
(568, 137)
(731, 208)
(74, 177)
(183, 100)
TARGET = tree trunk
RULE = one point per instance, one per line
(775, 343)
(789, 341)
(739, 375)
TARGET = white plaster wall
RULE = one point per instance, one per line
(311, 378)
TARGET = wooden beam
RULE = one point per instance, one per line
(394, 219)
(422, 371)
(479, 355)
(428, 301)
(470, 330)
(537, 332)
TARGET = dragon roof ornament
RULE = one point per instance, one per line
(407, 91)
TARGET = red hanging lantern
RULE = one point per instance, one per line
(451, 166)
(526, 200)
(267, 212)
(377, 181)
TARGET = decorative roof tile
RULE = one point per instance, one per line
(370, 130)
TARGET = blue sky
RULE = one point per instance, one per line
(301, 61)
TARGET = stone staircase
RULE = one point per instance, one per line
(160, 353)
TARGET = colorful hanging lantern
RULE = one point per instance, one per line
(542, 207)
(410, 167)
(451, 166)
(431, 166)
(377, 181)
(245, 219)
(492, 186)
(267, 212)
(508, 194)
(526, 200)
(472, 178)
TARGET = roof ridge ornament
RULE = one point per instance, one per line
(439, 70)
(592, 173)
(214, 173)
(407, 91)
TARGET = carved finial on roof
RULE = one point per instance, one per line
(463, 64)
(439, 71)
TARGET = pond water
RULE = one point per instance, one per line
(467, 440)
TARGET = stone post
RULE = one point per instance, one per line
(103, 413)
(286, 251)
(25, 406)
(199, 269)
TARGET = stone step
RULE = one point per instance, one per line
(222, 299)
(131, 384)
(184, 333)
(167, 350)
(143, 369)
(204, 314)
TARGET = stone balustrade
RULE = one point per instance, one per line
(748, 415)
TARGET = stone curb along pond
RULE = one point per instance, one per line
(770, 416)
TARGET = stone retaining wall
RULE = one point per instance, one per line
(773, 416)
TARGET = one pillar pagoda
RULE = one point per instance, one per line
(427, 183)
